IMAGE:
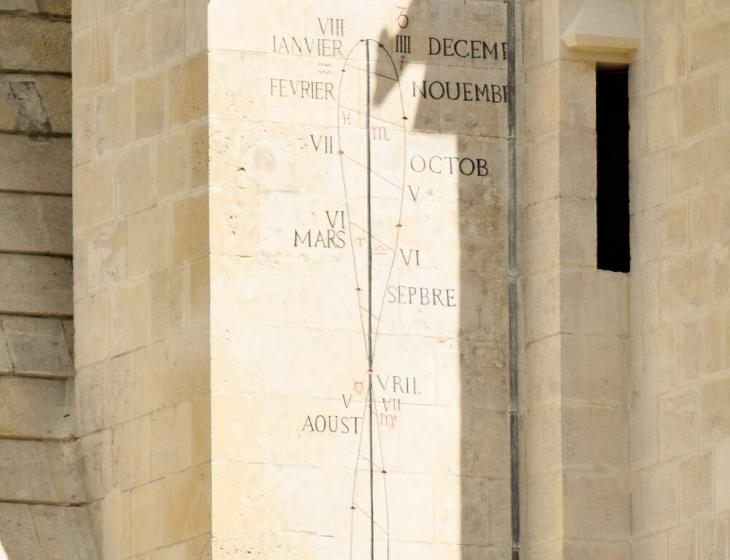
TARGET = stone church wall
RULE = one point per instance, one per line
(141, 292)
(291, 272)
(680, 282)
(43, 510)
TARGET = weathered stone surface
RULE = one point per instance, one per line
(35, 285)
(57, 7)
(35, 224)
(708, 45)
(700, 107)
(186, 506)
(130, 318)
(6, 365)
(131, 54)
(52, 7)
(135, 181)
(655, 499)
(187, 87)
(167, 40)
(581, 447)
(19, 5)
(713, 537)
(35, 164)
(17, 532)
(577, 550)
(93, 200)
(93, 51)
(35, 104)
(681, 543)
(112, 122)
(695, 486)
(148, 242)
(34, 408)
(172, 165)
(147, 517)
(150, 109)
(190, 235)
(38, 346)
(37, 471)
(34, 44)
(597, 507)
(651, 548)
(101, 258)
(715, 412)
(45, 532)
(92, 332)
(678, 433)
(64, 532)
(21, 229)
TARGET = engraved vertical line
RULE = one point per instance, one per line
(370, 301)
(513, 279)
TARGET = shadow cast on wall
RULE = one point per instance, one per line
(461, 92)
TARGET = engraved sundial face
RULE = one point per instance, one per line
(371, 142)
(378, 131)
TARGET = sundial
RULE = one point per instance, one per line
(371, 140)
(379, 142)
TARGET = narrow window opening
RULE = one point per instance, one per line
(612, 144)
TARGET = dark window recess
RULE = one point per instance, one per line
(612, 144)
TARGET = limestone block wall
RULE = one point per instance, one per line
(224, 344)
(624, 399)
(42, 496)
(219, 321)
(141, 291)
(576, 500)
(680, 350)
